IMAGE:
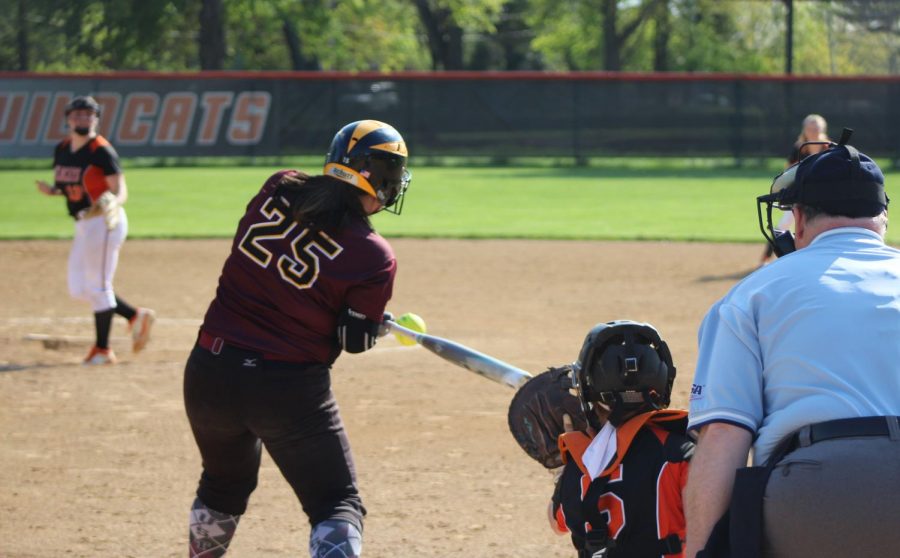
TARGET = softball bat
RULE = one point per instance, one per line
(468, 358)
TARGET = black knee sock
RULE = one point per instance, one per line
(102, 322)
(124, 309)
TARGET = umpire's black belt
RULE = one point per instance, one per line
(888, 426)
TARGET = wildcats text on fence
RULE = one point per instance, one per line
(175, 122)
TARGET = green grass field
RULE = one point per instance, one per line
(654, 202)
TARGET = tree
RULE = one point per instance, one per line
(715, 36)
(513, 38)
(566, 33)
(618, 27)
(301, 23)
(22, 35)
(447, 23)
(444, 36)
(881, 21)
(94, 35)
(745, 36)
(662, 19)
(299, 61)
(592, 34)
(211, 38)
(872, 15)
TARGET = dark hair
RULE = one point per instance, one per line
(322, 202)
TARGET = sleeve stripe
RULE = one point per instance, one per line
(727, 418)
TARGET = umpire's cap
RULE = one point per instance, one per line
(84, 102)
(838, 181)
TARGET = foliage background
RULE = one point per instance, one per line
(846, 37)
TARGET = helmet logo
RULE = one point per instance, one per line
(342, 174)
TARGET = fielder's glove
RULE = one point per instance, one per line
(106, 205)
(536, 414)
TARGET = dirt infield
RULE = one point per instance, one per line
(100, 461)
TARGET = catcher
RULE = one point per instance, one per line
(621, 460)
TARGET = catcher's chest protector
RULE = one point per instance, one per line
(637, 496)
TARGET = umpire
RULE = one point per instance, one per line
(801, 362)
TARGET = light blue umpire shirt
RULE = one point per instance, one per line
(814, 336)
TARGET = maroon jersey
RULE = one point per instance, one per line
(81, 175)
(284, 285)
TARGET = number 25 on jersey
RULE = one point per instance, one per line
(300, 268)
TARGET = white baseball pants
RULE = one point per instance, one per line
(93, 260)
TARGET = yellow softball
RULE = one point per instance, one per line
(409, 321)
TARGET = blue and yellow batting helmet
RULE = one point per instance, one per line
(371, 155)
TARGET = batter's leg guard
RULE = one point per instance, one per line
(334, 538)
(211, 531)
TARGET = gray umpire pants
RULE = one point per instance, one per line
(836, 498)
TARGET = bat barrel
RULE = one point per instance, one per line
(466, 357)
(477, 362)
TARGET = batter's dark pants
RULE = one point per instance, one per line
(237, 402)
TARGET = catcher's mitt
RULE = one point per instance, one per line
(536, 414)
(106, 205)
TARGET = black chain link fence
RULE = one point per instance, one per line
(495, 115)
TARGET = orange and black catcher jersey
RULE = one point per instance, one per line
(633, 508)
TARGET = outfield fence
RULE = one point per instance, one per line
(494, 114)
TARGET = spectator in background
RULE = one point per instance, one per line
(814, 129)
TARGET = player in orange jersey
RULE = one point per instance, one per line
(87, 172)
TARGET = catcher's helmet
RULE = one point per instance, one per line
(371, 155)
(839, 181)
(83, 102)
(625, 365)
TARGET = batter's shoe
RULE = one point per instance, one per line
(140, 328)
(99, 356)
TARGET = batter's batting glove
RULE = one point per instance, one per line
(385, 328)
(356, 333)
